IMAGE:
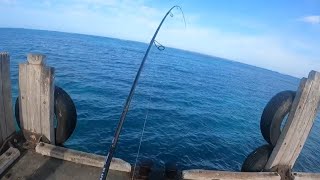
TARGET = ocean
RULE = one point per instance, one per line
(201, 111)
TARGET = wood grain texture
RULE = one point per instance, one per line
(36, 88)
(7, 158)
(81, 157)
(47, 102)
(305, 176)
(33, 98)
(3, 133)
(23, 108)
(6, 113)
(198, 174)
(299, 123)
(7, 96)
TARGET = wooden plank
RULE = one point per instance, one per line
(23, 108)
(3, 133)
(81, 157)
(47, 102)
(7, 158)
(36, 83)
(34, 166)
(305, 176)
(280, 148)
(33, 100)
(307, 117)
(7, 97)
(198, 174)
(6, 114)
(299, 123)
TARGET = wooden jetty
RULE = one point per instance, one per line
(32, 153)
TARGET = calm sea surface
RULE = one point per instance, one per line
(203, 112)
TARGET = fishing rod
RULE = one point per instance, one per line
(125, 110)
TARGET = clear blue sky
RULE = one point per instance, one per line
(279, 35)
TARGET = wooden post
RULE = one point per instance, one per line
(298, 126)
(36, 89)
(6, 113)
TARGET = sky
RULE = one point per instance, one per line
(282, 36)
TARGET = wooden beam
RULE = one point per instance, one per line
(305, 176)
(299, 123)
(81, 157)
(198, 174)
(23, 96)
(36, 88)
(7, 127)
(47, 102)
(3, 132)
(7, 158)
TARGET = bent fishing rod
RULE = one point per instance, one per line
(125, 110)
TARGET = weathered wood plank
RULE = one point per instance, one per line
(6, 114)
(3, 133)
(7, 97)
(305, 176)
(36, 83)
(307, 117)
(23, 108)
(7, 158)
(34, 166)
(33, 100)
(81, 157)
(279, 149)
(47, 101)
(198, 174)
(299, 123)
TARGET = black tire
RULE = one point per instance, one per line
(256, 161)
(66, 115)
(65, 112)
(273, 114)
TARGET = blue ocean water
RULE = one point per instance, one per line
(202, 111)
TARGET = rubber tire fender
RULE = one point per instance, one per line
(273, 114)
(65, 113)
(257, 160)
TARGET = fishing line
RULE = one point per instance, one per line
(142, 132)
(160, 47)
(115, 139)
